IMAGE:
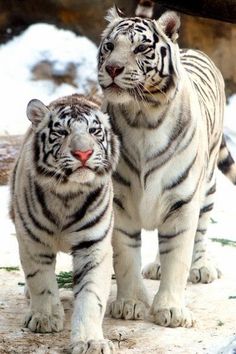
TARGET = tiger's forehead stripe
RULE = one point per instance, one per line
(131, 27)
(73, 111)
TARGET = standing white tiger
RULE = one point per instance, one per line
(62, 201)
(167, 107)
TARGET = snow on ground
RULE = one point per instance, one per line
(46, 42)
(17, 58)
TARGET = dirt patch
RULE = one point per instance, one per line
(214, 306)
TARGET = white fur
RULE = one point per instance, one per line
(147, 198)
(48, 219)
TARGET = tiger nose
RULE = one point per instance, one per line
(114, 70)
(83, 156)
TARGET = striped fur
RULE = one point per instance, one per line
(166, 106)
(60, 204)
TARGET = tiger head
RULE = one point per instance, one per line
(72, 140)
(137, 57)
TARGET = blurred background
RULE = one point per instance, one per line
(49, 49)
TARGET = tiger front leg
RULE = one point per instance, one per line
(92, 263)
(46, 312)
(176, 237)
(132, 301)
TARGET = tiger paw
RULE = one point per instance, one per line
(204, 271)
(152, 271)
(44, 323)
(93, 347)
(173, 317)
(128, 309)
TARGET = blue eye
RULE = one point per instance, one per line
(140, 48)
(109, 46)
(94, 130)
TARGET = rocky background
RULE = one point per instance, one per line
(86, 17)
(216, 38)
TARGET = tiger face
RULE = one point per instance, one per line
(72, 140)
(135, 59)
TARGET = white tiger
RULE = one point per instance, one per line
(61, 200)
(167, 107)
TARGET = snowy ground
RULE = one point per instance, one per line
(17, 58)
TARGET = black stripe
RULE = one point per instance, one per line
(129, 163)
(45, 291)
(82, 287)
(201, 231)
(50, 257)
(120, 179)
(118, 202)
(166, 237)
(33, 219)
(31, 275)
(197, 259)
(94, 221)
(183, 176)
(180, 203)
(206, 208)
(90, 243)
(202, 76)
(211, 190)
(136, 245)
(135, 235)
(79, 214)
(41, 199)
(225, 164)
(87, 267)
(166, 251)
(30, 233)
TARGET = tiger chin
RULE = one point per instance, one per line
(61, 200)
(167, 106)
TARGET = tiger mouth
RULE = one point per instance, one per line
(114, 87)
(84, 168)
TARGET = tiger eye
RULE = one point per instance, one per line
(141, 48)
(109, 46)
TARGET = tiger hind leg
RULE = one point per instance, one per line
(46, 312)
(153, 269)
(203, 269)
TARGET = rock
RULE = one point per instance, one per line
(9, 150)
(45, 70)
(217, 39)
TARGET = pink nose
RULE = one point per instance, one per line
(114, 70)
(83, 156)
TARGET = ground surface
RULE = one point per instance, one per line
(214, 306)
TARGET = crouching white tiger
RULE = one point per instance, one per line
(167, 107)
(61, 200)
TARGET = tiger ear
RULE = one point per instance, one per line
(114, 14)
(170, 24)
(36, 112)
